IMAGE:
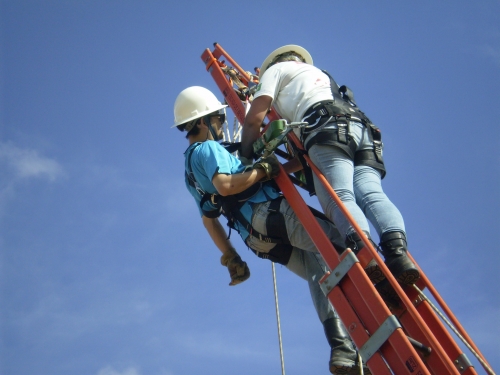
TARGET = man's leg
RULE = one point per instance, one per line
(343, 356)
(388, 222)
(374, 203)
(338, 170)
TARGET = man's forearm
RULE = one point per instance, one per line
(253, 121)
(236, 183)
(217, 233)
(249, 135)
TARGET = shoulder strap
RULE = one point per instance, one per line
(212, 214)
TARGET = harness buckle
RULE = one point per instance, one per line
(321, 112)
(212, 199)
(342, 131)
(377, 147)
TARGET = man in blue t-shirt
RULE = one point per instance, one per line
(220, 183)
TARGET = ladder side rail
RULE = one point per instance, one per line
(219, 51)
(232, 99)
(451, 316)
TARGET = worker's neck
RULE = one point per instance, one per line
(200, 137)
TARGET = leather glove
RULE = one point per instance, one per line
(270, 165)
(238, 270)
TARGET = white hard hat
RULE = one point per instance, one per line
(194, 102)
(288, 48)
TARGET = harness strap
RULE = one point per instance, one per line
(341, 110)
(333, 138)
(231, 210)
(275, 222)
(377, 142)
(369, 158)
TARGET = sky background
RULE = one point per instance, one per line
(105, 268)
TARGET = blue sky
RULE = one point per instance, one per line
(105, 268)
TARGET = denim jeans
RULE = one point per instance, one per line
(359, 188)
(305, 261)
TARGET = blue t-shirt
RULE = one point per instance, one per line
(208, 158)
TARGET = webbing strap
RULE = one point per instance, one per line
(232, 210)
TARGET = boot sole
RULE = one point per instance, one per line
(408, 277)
(388, 294)
(374, 273)
(348, 370)
(404, 270)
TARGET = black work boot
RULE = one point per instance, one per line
(343, 357)
(394, 249)
(354, 242)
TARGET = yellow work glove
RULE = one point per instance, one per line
(238, 270)
(270, 165)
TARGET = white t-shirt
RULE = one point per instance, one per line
(294, 87)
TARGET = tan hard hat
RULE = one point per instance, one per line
(288, 48)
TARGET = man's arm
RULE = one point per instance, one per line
(253, 121)
(230, 184)
(217, 233)
(238, 270)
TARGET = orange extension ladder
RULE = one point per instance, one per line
(404, 338)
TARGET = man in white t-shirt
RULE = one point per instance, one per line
(342, 142)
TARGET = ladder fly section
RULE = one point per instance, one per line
(402, 337)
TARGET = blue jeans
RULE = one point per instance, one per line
(359, 188)
(305, 261)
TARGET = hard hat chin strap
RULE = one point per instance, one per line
(210, 127)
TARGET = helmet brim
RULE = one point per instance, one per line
(199, 115)
(288, 48)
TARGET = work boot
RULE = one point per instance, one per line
(354, 242)
(343, 357)
(394, 249)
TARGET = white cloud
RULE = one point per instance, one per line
(28, 163)
(108, 370)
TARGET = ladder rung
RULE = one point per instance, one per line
(338, 273)
(379, 337)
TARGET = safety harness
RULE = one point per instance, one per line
(342, 110)
(230, 206)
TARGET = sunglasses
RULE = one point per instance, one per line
(221, 117)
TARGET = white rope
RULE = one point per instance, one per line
(452, 327)
(360, 362)
(278, 320)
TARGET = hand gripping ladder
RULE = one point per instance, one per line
(405, 338)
